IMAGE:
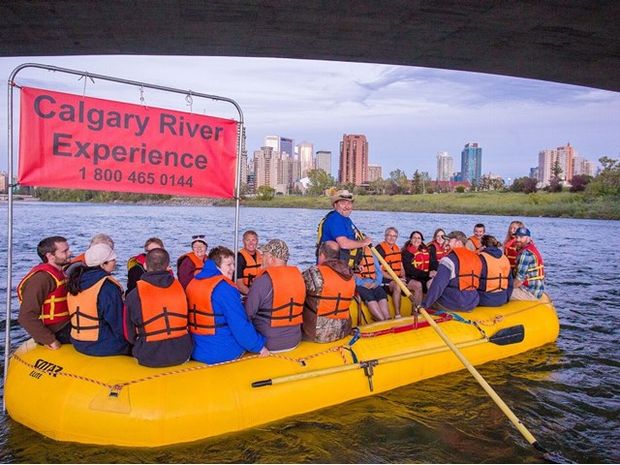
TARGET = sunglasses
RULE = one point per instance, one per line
(198, 236)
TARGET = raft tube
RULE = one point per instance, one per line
(67, 396)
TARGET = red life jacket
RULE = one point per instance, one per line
(470, 268)
(54, 309)
(393, 257)
(84, 311)
(138, 260)
(201, 314)
(252, 266)
(197, 262)
(335, 296)
(289, 294)
(164, 311)
(498, 270)
(511, 252)
(440, 251)
(421, 260)
(366, 267)
(537, 271)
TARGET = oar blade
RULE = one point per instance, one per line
(512, 335)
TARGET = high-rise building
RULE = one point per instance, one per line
(266, 164)
(323, 161)
(545, 163)
(279, 144)
(306, 159)
(583, 166)
(286, 146)
(244, 167)
(375, 172)
(353, 166)
(547, 159)
(445, 166)
(471, 162)
(4, 183)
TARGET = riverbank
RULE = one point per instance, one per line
(558, 205)
(539, 204)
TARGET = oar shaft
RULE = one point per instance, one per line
(381, 361)
(478, 377)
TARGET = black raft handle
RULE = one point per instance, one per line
(264, 382)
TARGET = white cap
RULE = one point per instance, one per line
(98, 254)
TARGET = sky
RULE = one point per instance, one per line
(408, 114)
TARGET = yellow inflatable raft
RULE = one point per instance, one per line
(68, 396)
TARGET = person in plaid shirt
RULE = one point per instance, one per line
(530, 269)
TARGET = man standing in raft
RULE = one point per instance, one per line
(42, 295)
(330, 287)
(337, 226)
(276, 298)
(455, 285)
(156, 316)
(530, 270)
(249, 261)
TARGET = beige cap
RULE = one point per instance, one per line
(98, 254)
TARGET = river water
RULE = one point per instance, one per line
(567, 394)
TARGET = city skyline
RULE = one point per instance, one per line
(408, 114)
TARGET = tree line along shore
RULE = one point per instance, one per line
(546, 204)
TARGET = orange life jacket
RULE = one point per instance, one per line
(54, 309)
(164, 311)
(289, 294)
(511, 252)
(537, 271)
(201, 314)
(476, 242)
(81, 258)
(366, 267)
(440, 251)
(252, 266)
(335, 296)
(197, 262)
(421, 260)
(393, 257)
(84, 313)
(498, 270)
(470, 268)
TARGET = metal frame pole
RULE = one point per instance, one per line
(11, 84)
(9, 236)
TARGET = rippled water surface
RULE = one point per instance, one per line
(567, 393)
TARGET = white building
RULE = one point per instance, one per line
(445, 166)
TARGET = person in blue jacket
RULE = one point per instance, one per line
(95, 301)
(219, 325)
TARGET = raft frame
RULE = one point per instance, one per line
(189, 94)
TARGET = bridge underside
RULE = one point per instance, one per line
(573, 42)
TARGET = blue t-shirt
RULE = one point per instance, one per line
(337, 225)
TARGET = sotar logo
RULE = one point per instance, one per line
(47, 367)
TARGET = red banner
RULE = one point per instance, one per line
(70, 141)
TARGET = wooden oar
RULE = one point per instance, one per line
(552, 457)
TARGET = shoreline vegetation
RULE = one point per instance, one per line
(546, 204)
